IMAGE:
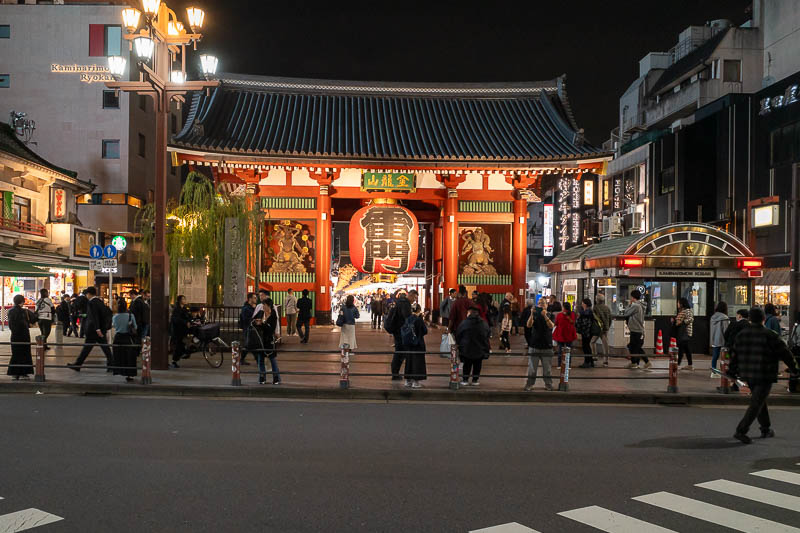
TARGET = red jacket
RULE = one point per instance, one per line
(565, 328)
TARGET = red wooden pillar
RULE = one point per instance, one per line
(450, 253)
(323, 264)
(519, 267)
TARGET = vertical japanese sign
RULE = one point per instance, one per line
(548, 230)
(235, 266)
(617, 200)
(564, 206)
(59, 205)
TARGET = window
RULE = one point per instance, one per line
(142, 145)
(5, 31)
(143, 102)
(22, 209)
(110, 148)
(732, 71)
(715, 69)
(104, 40)
(784, 145)
(5, 81)
(110, 100)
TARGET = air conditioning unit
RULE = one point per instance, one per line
(638, 223)
(615, 225)
(606, 226)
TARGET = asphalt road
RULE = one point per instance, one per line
(113, 464)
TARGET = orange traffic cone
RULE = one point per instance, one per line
(660, 344)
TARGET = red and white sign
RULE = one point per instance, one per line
(384, 239)
(548, 229)
(59, 204)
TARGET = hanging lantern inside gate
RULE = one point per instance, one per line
(384, 238)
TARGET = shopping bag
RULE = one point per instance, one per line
(444, 345)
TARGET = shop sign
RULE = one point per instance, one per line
(588, 192)
(790, 96)
(576, 228)
(59, 212)
(388, 182)
(86, 73)
(548, 230)
(683, 273)
(83, 242)
(617, 192)
(384, 238)
(563, 210)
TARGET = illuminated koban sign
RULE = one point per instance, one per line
(87, 73)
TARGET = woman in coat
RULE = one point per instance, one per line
(416, 369)
(126, 350)
(264, 325)
(719, 323)
(565, 333)
(684, 328)
(347, 321)
(179, 328)
(19, 322)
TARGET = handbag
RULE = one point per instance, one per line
(340, 320)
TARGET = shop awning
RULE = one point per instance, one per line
(9, 267)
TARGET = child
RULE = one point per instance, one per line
(505, 329)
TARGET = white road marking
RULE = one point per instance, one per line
(27, 519)
(606, 520)
(757, 494)
(715, 514)
(779, 475)
(511, 527)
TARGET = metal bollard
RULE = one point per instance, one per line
(563, 384)
(673, 366)
(39, 369)
(236, 365)
(454, 366)
(344, 376)
(147, 378)
(724, 382)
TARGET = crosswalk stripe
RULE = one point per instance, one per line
(511, 527)
(26, 519)
(757, 494)
(606, 520)
(714, 513)
(779, 475)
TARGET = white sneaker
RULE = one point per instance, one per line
(464, 383)
(475, 384)
(687, 367)
(713, 375)
(633, 365)
(407, 383)
(416, 385)
(648, 365)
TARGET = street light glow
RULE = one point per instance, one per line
(196, 18)
(130, 19)
(144, 48)
(209, 64)
(116, 65)
(174, 27)
(150, 7)
(177, 76)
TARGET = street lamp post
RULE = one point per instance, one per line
(160, 48)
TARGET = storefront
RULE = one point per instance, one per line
(695, 261)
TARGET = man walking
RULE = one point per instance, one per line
(634, 315)
(290, 307)
(444, 307)
(97, 324)
(304, 310)
(602, 315)
(540, 346)
(756, 353)
(141, 313)
(459, 309)
(245, 322)
(376, 308)
(472, 337)
(45, 311)
(63, 315)
(81, 302)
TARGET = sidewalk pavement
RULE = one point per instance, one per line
(503, 376)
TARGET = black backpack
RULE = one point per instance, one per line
(106, 316)
(389, 322)
(407, 333)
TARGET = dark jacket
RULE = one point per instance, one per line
(246, 316)
(62, 312)
(756, 352)
(81, 304)
(523, 319)
(179, 327)
(376, 306)
(541, 337)
(94, 315)
(350, 314)
(420, 330)
(472, 337)
(141, 312)
(401, 313)
(304, 308)
(733, 330)
(554, 307)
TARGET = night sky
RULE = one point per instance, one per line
(597, 44)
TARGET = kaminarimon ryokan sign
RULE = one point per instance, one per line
(86, 73)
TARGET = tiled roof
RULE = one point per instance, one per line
(688, 62)
(10, 144)
(384, 121)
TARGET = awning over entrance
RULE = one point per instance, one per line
(10, 267)
(683, 245)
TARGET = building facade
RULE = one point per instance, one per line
(54, 69)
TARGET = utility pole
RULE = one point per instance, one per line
(794, 273)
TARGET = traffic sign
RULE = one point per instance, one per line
(96, 251)
(97, 264)
(109, 263)
(110, 251)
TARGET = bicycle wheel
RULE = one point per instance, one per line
(214, 354)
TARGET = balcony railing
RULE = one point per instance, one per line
(9, 224)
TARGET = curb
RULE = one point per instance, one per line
(393, 395)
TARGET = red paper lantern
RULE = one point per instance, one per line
(384, 239)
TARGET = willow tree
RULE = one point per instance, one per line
(196, 231)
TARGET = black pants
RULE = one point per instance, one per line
(472, 367)
(759, 391)
(180, 348)
(82, 332)
(303, 327)
(45, 327)
(505, 342)
(683, 348)
(377, 318)
(93, 340)
(397, 358)
(586, 346)
(635, 347)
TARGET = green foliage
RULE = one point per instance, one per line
(196, 230)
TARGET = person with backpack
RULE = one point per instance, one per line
(245, 322)
(719, 323)
(347, 321)
(45, 312)
(413, 334)
(773, 321)
(565, 333)
(97, 323)
(397, 316)
(472, 337)
(126, 346)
